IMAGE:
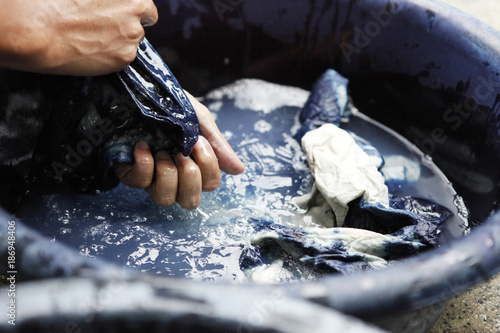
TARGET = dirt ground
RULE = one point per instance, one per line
(477, 310)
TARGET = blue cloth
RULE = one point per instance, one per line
(159, 96)
(304, 246)
(410, 224)
(95, 122)
(411, 218)
(328, 103)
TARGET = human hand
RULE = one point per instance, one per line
(74, 37)
(183, 178)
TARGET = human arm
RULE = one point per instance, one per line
(72, 37)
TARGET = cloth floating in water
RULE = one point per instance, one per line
(95, 122)
(349, 192)
(372, 238)
(326, 250)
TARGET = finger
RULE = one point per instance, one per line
(150, 15)
(163, 190)
(228, 160)
(140, 174)
(189, 188)
(206, 159)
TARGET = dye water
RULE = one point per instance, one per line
(259, 119)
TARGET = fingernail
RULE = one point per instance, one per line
(204, 145)
(143, 145)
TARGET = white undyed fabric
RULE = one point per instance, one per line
(343, 172)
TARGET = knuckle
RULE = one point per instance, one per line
(166, 169)
(151, 18)
(144, 161)
(167, 172)
(139, 6)
(128, 55)
(191, 171)
(134, 32)
(154, 20)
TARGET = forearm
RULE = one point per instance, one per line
(24, 40)
(72, 37)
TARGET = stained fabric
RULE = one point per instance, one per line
(375, 230)
(95, 122)
(326, 250)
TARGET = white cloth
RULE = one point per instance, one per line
(342, 171)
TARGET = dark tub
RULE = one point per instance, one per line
(425, 69)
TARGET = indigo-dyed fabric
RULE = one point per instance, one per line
(329, 103)
(95, 122)
(320, 250)
(326, 104)
(407, 217)
(372, 238)
(160, 98)
(373, 234)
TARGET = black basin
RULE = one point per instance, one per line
(428, 71)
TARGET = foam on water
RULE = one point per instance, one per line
(258, 119)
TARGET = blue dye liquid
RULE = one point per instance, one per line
(125, 227)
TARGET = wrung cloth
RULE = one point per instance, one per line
(95, 122)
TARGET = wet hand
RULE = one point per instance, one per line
(180, 178)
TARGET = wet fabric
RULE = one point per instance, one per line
(95, 122)
(373, 238)
(331, 250)
(343, 172)
(374, 232)
(329, 103)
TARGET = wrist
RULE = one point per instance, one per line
(26, 41)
